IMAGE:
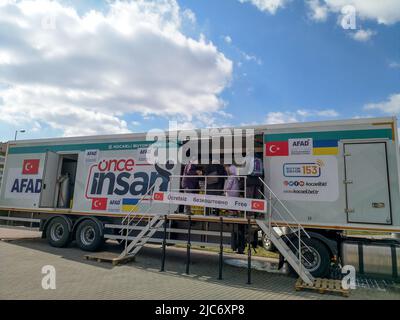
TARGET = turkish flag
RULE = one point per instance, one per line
(258, 205)
(30, 166)
(158, 196)
(280, 148)
(99, 204)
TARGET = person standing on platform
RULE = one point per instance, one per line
(232, 183)
(215, 179)
(190, 180)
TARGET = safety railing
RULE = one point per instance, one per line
(273, 215)
(298, 230)
(204, 182)
(132, 216)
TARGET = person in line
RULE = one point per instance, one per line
(190, 181)
(232, 183)
(215, 173)
(255, 171)
(253, 183)
(215, 179)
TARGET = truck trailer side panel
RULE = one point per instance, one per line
(336, 176)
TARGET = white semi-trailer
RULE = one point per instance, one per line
(321, 180)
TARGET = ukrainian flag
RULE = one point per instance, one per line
(129, 205)
(325, 147)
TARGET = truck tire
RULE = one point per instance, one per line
(267, 243)
(89, 236)
(316, 258)
(58, 233)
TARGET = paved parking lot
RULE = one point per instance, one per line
(76, 278)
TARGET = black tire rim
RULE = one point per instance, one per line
(87, 235)
(57, 231)
(311, 259)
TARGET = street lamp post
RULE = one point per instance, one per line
(16, 133)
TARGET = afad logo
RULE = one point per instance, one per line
(102, 204)
(28, 185)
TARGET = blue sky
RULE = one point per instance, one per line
(279, 65)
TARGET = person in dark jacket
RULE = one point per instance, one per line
(215, 185)
(190, 183)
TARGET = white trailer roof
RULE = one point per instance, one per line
(257, 128)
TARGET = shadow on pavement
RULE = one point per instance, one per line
(203, 266)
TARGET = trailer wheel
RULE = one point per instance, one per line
(57, 233)
(316, 257)
(267, 243)
(88, 236)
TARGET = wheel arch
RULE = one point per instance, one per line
(331, 244)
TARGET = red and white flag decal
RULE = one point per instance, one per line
(99, 204)
(159, 196)
(279, 148)
(258, 205)
(30, 166)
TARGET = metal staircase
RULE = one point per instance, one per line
(131, 222)
(142, 238)
(290, 245)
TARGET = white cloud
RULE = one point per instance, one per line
(383, 11)
(327, 113)
(362, 35)
(189, 14)
(318, 11)
(390, 106)
(250, 58)
(300, 115)
(82, 74)
(394, 65)
(281, 117)
(228, 39)
(267, 5)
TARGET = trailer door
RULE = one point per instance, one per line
(367, 183)
(47, 195)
